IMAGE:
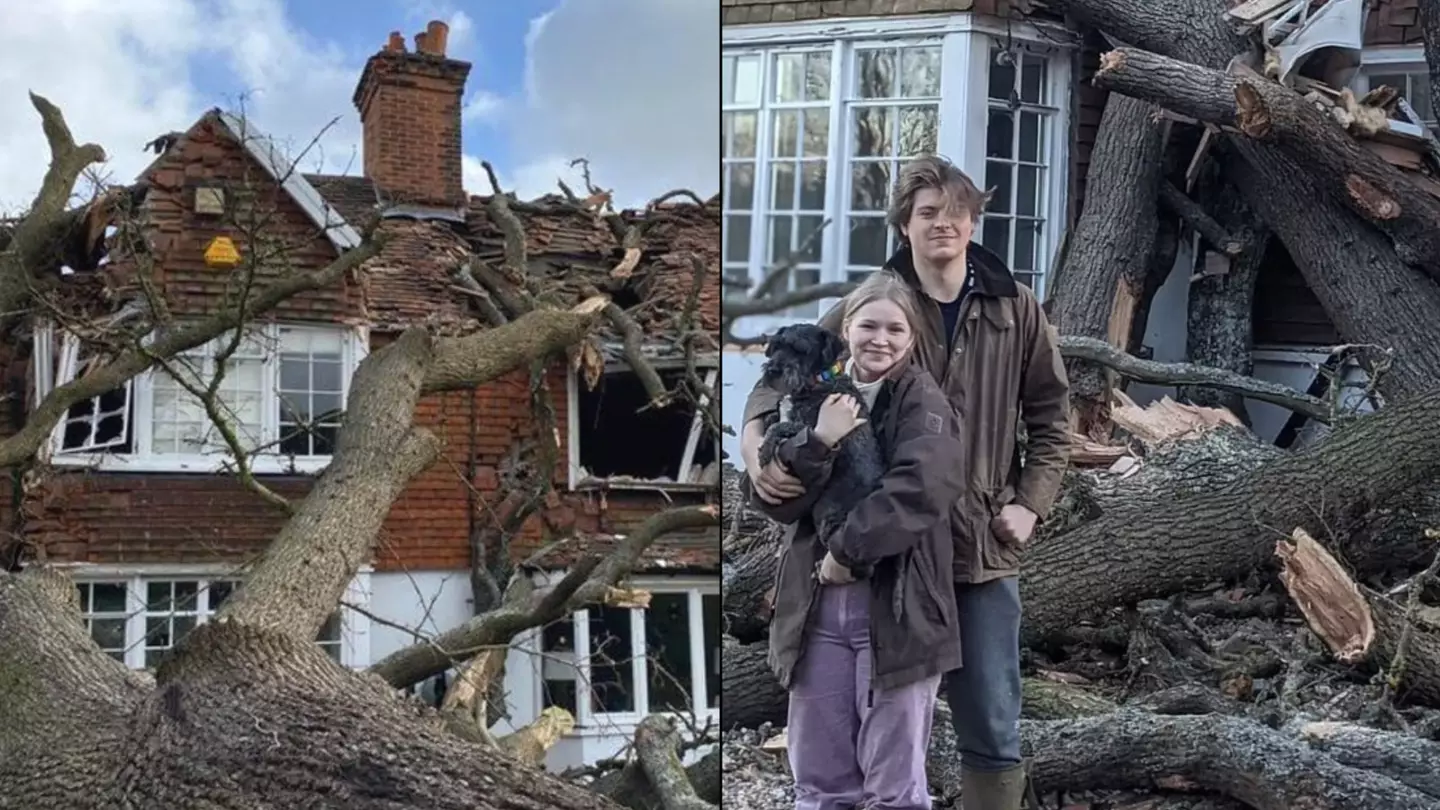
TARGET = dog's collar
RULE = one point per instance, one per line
(831, 373)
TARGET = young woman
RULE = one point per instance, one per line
(862, 660)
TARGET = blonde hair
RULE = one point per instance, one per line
(932, 171)
(884, 285)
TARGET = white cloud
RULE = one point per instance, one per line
(631, 85)
(121, 72)
(482, 107)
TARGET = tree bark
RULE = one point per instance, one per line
(1219, 329)
(1352, 269)
(1429, 15)
(1101, 284)
(1269, 112)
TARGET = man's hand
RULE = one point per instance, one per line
(772, 483)
(1014, 524)
(833, 573)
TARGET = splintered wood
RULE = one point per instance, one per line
(1332, 604)
(1168, 419)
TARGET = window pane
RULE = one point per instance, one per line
(817, 76)
(1027, 197)
(1000, 134)
(743, 80)
(612, 676)
(919, 128)
(995, 234)
(220, 591)
(817, 132)
(109, 597)
(328, 376)
(1032, 79)
(740, 187)
(737, 239)
(998, 177)
(1031, 144)
(157, 596)
(185, 595)
(1002, 77)
(785, 141)
(1026, 238)
(109, 634)
(812, 190)
(782, 187)
(157, 631)
(875, 73)
(920, 72)
(867, 241)
(667, 648)
(1419, 97)
(779, 240)
(810, 239)
(741, 135)
(870, 186)
(789, 77)
(873, 132)
(330, 630)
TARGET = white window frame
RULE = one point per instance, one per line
(53, 346)
(708, 364)
(592, 723)
(1390, 59)
(965, 39)
(354, 626)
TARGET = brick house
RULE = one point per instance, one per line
(823, 100)
(132, 495)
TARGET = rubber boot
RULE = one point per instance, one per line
(992, 790)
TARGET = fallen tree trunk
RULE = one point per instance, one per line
(1270, 112)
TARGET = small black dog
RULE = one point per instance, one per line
(803, 362)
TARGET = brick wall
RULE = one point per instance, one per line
(281, 229)
(410, 108)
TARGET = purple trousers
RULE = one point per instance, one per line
(851, 748)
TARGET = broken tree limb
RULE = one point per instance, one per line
(413, 664)
(657, 746)
(1268, 111)
(44, 224)
(1205, 225)
(1238, 758)
(465, 362)
(1098, 290)
(1201, 515)
(1406, 758)
(1151, 371)
(1358, 624)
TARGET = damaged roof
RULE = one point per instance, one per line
(414, 279)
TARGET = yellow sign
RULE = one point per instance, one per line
(221, 253)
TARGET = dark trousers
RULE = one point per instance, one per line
(984, 694)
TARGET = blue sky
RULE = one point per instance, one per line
(630, 84)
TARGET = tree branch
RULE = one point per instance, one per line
(413, 664)
(1151, 371)
(1190, 211)
(1269, 112)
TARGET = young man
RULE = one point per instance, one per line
(986, 340)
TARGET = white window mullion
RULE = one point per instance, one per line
(639, 662)
(760, 216)
(965, 62)
(837, 180)
(1057, 176)
(583, 691)
(699, 696)
(135, 623)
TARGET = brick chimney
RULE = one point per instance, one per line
(410, 105)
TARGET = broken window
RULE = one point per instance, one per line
(617, 437)
(99, 424)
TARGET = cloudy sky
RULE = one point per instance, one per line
(630, 84)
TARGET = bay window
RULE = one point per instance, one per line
(819, 117)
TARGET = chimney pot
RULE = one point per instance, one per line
(421, 46)
(437, 35)
(396, 43)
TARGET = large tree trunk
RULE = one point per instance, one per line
(1102, 283)
(1219, 332)
(1369, 291)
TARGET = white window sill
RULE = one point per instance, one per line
(205, 465)
(600, 484)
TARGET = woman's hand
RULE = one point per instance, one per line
(839, 414)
